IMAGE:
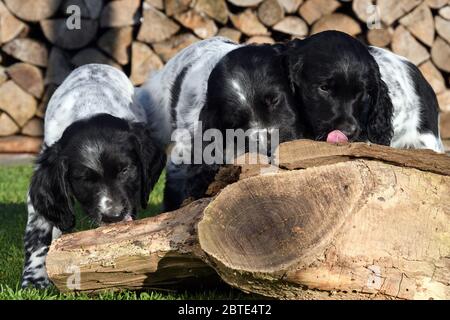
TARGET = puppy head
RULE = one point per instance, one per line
(340, 88)
(248, 89)
(107, 164)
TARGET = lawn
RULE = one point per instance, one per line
(13, 187)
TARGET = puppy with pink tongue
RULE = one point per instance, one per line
(337, 136)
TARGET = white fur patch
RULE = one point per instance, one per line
(406, 119)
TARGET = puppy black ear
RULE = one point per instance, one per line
(152, 159)
(294, 63)
(379, 126)
(49, 189)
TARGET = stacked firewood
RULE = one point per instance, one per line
(42, 41)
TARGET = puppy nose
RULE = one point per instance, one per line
(349, 130)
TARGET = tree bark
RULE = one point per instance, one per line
(361, 222)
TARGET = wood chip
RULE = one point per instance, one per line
(380, 37)
(245, 3)
(290, 6)
(34, 128)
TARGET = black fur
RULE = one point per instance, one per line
(123, 162)
(339, 87)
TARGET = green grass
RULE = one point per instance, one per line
(13, 215)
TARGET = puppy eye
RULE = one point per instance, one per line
(324, 87)
(272, 100)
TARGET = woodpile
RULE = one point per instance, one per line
(337, 222)
(40, 42)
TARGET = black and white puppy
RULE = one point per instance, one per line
(98, 150)
(225, 86)
(351, 92)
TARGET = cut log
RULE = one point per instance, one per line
(270, 12)
(445, 125)
(3, 75)
(361, 9)
(260, 40)
(27, 50)
(436, 4)
(158, 4)
(443, 28)
(173, 7)
(313, 10)
(444, 101)
(216, 9)
(380, 37)
(245, 3)
(393, 10)
(10, 26)
(339, 22)
(290, 6)
(20, 105)
(433, 76)
(33, 10)
(348, 227)
(156, 26)
(7, 125)
(199, 23)
(57, 32)
(93, 55)
(40, 112)
(440, 53)
(404, 44)
(293, 26)
(445, 12)
(247, 22)
(116, 43)
(420, 23)
(20, 144)
(34, 128)
(230, 33)
(120, 14)
(59, 67)
(88, 9)
(144, 61)
(28, 77)
(167, 49)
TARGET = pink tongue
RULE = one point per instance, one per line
(337, 136)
